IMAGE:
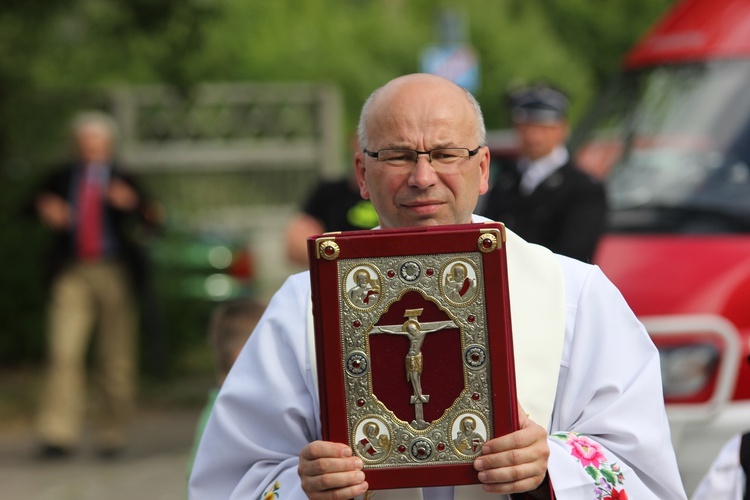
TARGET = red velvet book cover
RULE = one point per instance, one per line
(414, 348)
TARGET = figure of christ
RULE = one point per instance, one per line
(416, 333)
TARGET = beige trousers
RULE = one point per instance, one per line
(87, 299)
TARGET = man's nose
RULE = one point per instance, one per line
(423, 174)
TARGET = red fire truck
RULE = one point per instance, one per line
(672, 137)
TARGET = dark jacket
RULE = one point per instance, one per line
(129, 229)
(565, 213)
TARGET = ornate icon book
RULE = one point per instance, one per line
(414, 348)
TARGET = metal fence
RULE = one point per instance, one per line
(233, 159)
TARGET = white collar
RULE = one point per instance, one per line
(535, 171)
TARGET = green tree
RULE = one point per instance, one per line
(602, 33)
(59, 56)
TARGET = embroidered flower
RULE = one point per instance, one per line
(617, 495)
(272, 492)
(587, 451)
(607, 477)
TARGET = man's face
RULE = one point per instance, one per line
(94, 144)
(422, 113)
(539, 139)
(458, 272)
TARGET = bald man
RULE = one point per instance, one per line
(586, 369)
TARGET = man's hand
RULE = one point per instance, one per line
(516, 462)
(54, 211)
(121, 196)
(329, 471)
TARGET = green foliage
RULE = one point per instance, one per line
(361, 45)
(593, 472)
(602, 33)
(58, 57)
(610, 476)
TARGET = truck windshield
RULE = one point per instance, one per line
(673, 143)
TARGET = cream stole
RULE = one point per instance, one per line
(537, 304)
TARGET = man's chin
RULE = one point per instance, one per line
(425, 222)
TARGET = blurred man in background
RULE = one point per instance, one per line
(544, 197)
(100, 219)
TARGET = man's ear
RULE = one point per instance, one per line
(484, 169)
(359, 170)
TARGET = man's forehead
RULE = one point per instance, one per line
(435, 125)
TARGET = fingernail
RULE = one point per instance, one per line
(483, 476)
(478, 464)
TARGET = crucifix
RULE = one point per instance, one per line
(416, 333)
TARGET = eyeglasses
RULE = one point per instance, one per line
(442, 157)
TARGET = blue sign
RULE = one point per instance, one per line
(457, 63)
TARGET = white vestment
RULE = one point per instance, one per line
(607, 412)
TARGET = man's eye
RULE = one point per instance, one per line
(445, 155)
(400, 156)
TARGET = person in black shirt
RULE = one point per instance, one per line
(333, 205)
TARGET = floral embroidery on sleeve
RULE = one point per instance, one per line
(272, 492)
(607, 477)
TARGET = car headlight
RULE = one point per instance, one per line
(689, 371)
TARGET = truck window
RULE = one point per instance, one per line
(673, 143)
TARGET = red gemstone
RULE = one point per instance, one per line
(391, 273)
(356, 324)
(441, 446)
(475, 357)
(421, 452)
(360, 402)
(430, 272)
(471, 319)
(486, 243)
(475, 396)
(329, 250)
(401, 448)
(355, 364)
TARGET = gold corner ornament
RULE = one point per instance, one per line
(487, 241)
(328, 249)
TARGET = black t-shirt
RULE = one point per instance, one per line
(339, 206)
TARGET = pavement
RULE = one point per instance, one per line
(154, 466)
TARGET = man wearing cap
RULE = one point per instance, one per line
(544, 197)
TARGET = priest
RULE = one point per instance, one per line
(592, 418)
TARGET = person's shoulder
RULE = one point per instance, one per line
(577, 273)
(61, 169)
(574, 266)
(297, 284)
(124, 172)
(333, 185)
(298, 280)
(56, 176)
(575, 173)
